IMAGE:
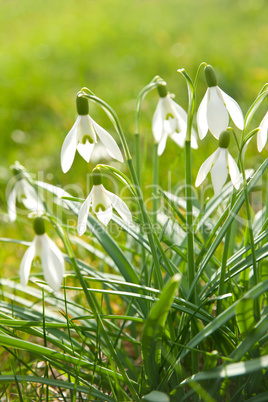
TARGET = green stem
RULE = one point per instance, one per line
(155, 183)
(137, 156)
(138, 173)
(189, 216)
(224, 259)
(152, 85)
(189, 206)
(148, 229)
(251, 238)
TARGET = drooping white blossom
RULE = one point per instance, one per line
(102, 203)
(23, 192)
(215, 108)
(220, 163)
(52, 260)
(170, 120)
(262, 133)
(83, 137)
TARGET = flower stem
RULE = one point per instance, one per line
(148, 229)
(189, 205)
(251, 239)
(189, 216)
(155, 183)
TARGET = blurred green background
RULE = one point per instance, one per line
(50, 49)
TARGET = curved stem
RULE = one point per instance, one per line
(152, 85)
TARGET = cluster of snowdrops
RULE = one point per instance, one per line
(169, 120)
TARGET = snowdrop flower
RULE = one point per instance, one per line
(215, 108)
(83, 137)
(102, 203)
(170, 120)
(219, 163)
(25, 193)
(262, 133)
(51, 257)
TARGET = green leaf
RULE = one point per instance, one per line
(57, 383)
(223, 318)
(247, 345)
(156, 396)
(256, 104)
(245, 315)
(230, 370)
(154, 328)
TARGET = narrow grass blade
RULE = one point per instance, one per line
(153, 329)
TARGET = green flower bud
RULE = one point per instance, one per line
(39, 226)
(162, 90)
(224, 139)
(210, 76)
(96, 176)
(81, 105)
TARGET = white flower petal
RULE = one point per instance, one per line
(205, 168)
(11, 205)
(219, 172)
(105, 216)
(170, 126)
(194, 143)
(26, 262)
(31, 200)
(120, 206)
(234, 110)
(162, 144)
(180, 112)
(69, 147)
(83, 213)
(108, 141)
(99, 197)
(85, 128)
(158, 121)
(99, 153)
(179, 138)
(234, 172)
(85, 150)
(262, 133)
(201, 117)
(52, 263)
(217, 115)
